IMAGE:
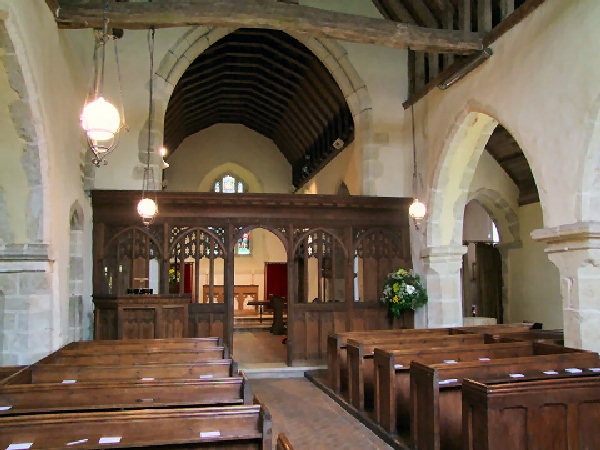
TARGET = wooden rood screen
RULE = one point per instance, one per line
(325, 239)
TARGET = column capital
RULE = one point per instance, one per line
(569, 237)
(444, 252)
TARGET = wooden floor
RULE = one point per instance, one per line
(258, 347)
(310, 419)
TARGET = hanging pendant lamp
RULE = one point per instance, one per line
(417, 209)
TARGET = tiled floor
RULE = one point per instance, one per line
(255, 347)
(310, 419)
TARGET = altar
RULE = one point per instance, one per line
(143, 316)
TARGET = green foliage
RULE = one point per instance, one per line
(403, 290)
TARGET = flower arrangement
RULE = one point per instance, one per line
(173, 279)
(403, 290)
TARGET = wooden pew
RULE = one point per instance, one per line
(548, 336)
(283, 443)
(6, 371)
(559, 410)
(360, 357)
(57, 373)
(435, 394)
(336, 348)
(233, 427)
(133, 357)
(392, 373)
(49, 397)
(147, 345)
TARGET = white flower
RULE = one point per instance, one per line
(410, 289)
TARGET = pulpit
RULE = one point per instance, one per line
(141, 316)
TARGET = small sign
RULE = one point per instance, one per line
(550, 372)
(398, 366)
(205, 377)
(573, 370)
(516, 375)
(69, 381)
(449, 361)
(80, 441)
(148, 379)
(210, 434)
(449, 380)
(5, 408)
(110, 440)
(21, 446)
(484, 359)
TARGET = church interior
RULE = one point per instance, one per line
(335, 145)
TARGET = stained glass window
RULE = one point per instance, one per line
(227, 184)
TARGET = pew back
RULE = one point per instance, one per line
(435, 396)
(136, 357)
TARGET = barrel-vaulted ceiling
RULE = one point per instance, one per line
(271, 83)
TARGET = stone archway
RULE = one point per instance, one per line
(333, 56)
(25, 268)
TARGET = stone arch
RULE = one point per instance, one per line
(505, 218)
(333, 56)
(24, 112)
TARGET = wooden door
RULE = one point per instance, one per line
(275, 280)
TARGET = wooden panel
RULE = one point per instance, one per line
(138, 323)
(174, 322)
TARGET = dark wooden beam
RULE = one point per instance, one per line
(266, 14)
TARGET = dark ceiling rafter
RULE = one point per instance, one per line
(268, 81)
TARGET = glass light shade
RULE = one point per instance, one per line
(417, 209)
(146, 208)
(100, 119)
(162, 151)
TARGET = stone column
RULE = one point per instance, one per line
(25, 303)
(442, 277)
(575, 250)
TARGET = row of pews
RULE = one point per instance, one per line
(163, 393)
(485, 387)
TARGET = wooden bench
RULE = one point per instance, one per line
(336, 348)
(548, 336)
(435, 394)
(235, 426)
(6, 371)
(559, 411)
(360, 357)
(147, 345)
(135, 357)
(56, 373)
(49, 397)
(392, 373)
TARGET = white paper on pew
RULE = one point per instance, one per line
(110, 440)
(147, 379)
(573, 370)
(21, 446)
(449, 361)
(516, 375)
(5, 408)
(80, 441)
(449, 380)
(484, 359)
(398, 366)
(551, 372)
(210, 434)
(594, 369)
(205, 376)
(69, 381)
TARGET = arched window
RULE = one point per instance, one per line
(231, 184)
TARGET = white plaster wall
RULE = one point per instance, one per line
(228, 146)
(541, 84)
(534, 280)
(477, 224)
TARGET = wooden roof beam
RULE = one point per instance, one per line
(266, 14)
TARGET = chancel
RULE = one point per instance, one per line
(370, 202)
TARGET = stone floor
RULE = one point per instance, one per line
(310, 419)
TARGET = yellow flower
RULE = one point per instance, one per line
(395, 299)
(396, 287)
(401, 272)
